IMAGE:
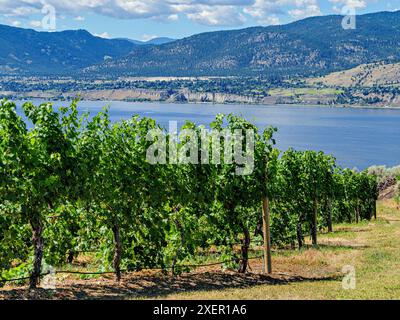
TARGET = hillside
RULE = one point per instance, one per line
(30, 52)
(366, 75)
(313, 46)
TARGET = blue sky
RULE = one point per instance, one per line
(146, 19)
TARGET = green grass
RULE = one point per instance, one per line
(377, 265)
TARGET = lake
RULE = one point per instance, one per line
(356, 137)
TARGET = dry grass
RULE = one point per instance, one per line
(366, 75)
(373, 249)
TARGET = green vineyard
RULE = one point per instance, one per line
(72, 183)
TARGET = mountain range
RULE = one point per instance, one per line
(309, 47)
(28, 52)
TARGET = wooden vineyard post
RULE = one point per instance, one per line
(267, 236)
(330, 226)
(315, 223)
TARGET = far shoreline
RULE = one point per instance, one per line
(161, 102)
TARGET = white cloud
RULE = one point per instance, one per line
(148, 37)
(357, 4)
(206, 12)
(309, 8)
(16, 23)
(173, 17)
(79, 18)
(35, 24)
(217, 16)
(264, 8)
(271, 20)
(104, 35)
(268, 11)
(10, 9)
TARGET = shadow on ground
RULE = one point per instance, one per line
(145, 287)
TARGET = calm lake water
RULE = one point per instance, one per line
(356, 137)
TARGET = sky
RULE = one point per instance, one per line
(147, 19)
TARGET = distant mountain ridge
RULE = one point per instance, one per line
(312, 46)
(160, 40)
(26, 51)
